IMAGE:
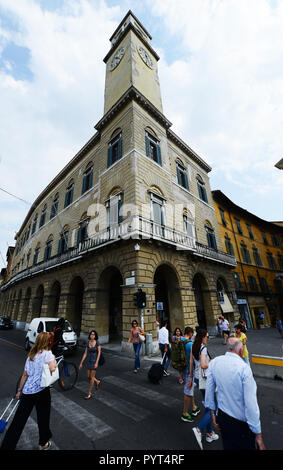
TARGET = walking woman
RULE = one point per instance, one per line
(32, 394)
(241, 335)
(198, 367)
(134, 337)
(93, 351)
(177, 338)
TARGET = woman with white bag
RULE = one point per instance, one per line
(199, 362)
(31, 394)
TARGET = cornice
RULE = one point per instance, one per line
(132, 94)
(187, 150)
(128, 28)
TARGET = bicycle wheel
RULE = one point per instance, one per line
(68, 375)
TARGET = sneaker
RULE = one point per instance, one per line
(187, 418)
(196, 411)
(212, 437)
(198, 437)
(46, 446)
(165, 373)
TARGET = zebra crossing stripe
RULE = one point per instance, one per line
(120, 405)
(75, 414)
(144, 392)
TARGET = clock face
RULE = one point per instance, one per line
(145, 57)
(117, 58)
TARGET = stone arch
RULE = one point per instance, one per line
(75, 303)
(168, 295)
(26, 304)
(203, 302)
(37, 301)
(54, 299)
(109, 300)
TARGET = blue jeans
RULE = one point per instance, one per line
(137, 348)
(206, 420)
(167, 358)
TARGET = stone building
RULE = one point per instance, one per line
(132, 209)
(258, 247)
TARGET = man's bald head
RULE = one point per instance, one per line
(235, 345)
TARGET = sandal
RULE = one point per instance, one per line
(88, 397)
(97, 384)
(45, 446)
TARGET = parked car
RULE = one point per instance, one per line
(6, 323)
(46, 324)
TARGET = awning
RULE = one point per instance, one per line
(226, 305)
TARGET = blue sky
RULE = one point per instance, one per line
(221, 76)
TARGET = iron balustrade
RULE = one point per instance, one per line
(134, 227)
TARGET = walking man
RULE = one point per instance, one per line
(238, 417)
(163, 340)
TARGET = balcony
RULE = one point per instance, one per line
(135, 227)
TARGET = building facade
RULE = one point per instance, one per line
(258, 247)
(133, 209)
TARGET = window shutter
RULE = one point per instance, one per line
(204, 194)
(109, 156)
(120, 147)
(79, 239)
(159, 159)
(66, 199)
(84, 185)
(214, 244)
(90, 178)
(45, 254)
(60, 247)
(186, 180)
(147, 146)
(179, 176)
(119, 211)
(199, 190)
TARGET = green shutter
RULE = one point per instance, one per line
(147, 146)
(120, 147)
(159, 159)
(109, 156)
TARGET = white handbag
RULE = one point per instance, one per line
(48, 378)
(141, 338)
(202, 379)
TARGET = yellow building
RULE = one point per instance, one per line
(258, 247)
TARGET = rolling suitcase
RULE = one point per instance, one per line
(155, 373)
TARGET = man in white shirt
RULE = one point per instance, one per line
(238, 416)
(163, 340)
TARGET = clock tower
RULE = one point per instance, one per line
(131, 62)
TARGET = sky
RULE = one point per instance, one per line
(221, 77)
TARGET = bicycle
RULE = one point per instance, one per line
(68, 374)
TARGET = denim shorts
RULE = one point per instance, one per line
(188, 392)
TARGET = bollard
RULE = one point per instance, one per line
(148, 344)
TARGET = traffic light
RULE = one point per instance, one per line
(136, 296)
(139, 299)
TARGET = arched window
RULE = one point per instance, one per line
(43, 216)
(36, 254)
(114, 207)
(229, 245)
(69, 194)
(188, 221)
(182, 175)
(88, 178)
(245, 253)
(63, 241)
(201, 189)
(48, 248)
(210, 235)
(82, 232)
(54, 207)
(34, 224)
(114, 148)
(256, 256)
(152, 147)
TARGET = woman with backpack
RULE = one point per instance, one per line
(199, 362)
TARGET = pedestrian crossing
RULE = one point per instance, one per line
(83, 417)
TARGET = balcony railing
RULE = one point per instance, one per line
(135, 227)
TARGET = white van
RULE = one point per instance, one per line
(46, 324)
